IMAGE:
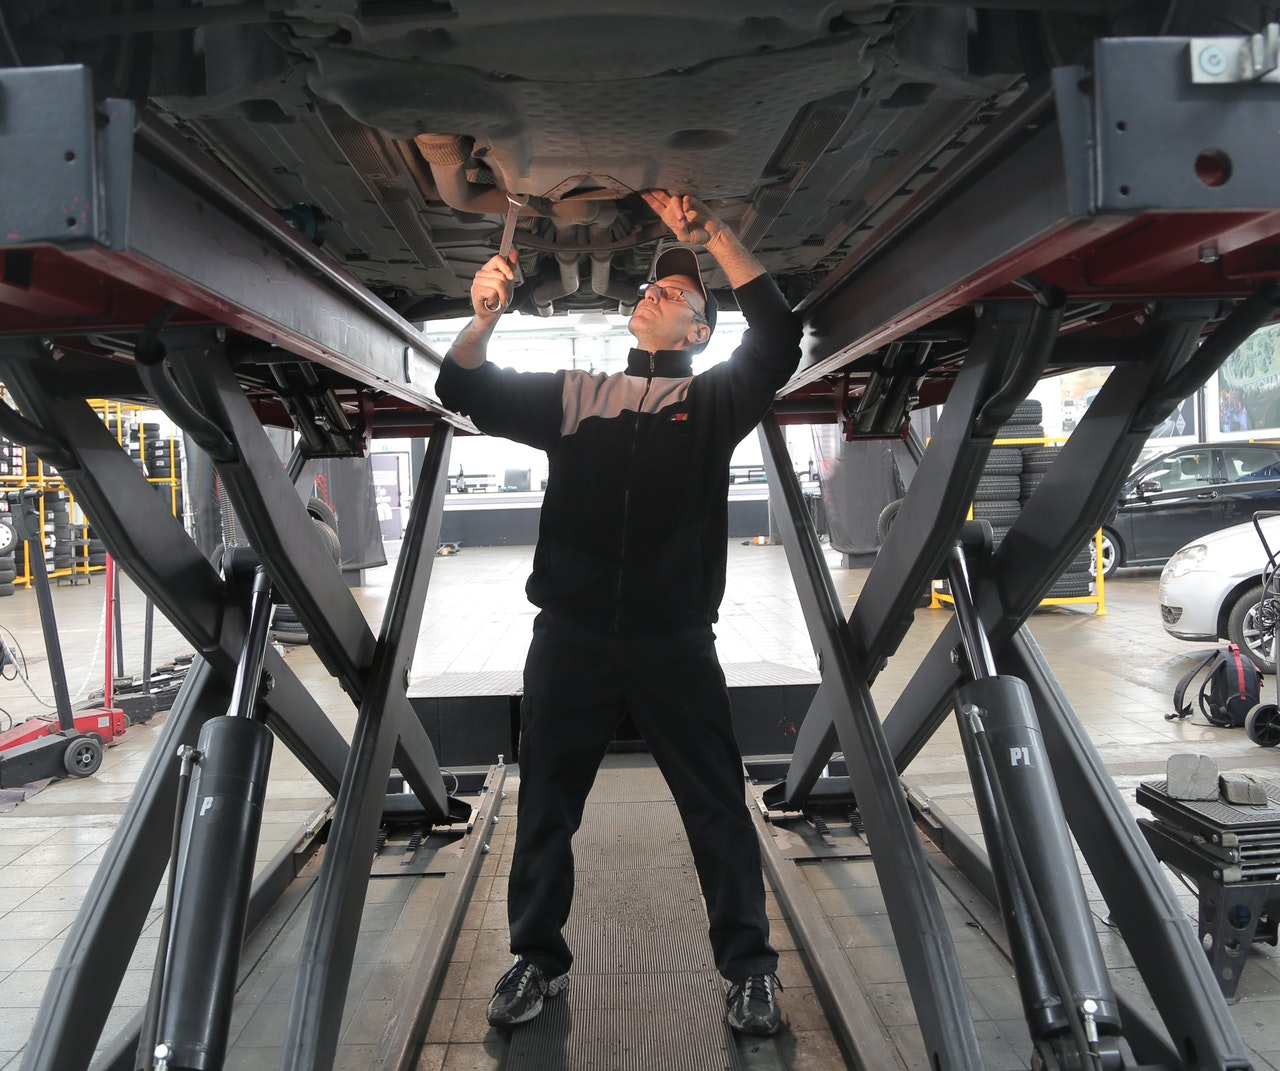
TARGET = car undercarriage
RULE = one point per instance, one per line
(392, 134)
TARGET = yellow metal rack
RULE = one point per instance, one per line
(28, 471)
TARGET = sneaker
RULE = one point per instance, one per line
(751, 1006)
(517, 997)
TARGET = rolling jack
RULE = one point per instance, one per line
(44, 745)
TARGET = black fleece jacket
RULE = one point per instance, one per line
(634, 524)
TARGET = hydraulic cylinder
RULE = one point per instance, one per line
(1000, 707)
(214, 874)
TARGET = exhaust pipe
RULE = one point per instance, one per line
(568, 283)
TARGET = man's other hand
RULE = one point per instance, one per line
(688, 218)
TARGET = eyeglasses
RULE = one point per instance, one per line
(669, 293)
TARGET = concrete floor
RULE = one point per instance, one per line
(1118, 670)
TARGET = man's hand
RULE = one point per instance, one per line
(494, 285)
(491, 292)
(694, 223)
(688, 218)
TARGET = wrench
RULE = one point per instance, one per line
(515, 202)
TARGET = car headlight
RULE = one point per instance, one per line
(1187, 560)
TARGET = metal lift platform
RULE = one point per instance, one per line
(1061, 215)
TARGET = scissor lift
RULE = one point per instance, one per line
(135, 269)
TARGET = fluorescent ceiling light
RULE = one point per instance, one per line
(594, 323)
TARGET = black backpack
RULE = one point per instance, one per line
(1229, 691)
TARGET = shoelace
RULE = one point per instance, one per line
(765, 982)
(516, 978)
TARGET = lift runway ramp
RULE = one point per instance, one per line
(644, 994)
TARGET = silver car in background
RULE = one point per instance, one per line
(1211, 588)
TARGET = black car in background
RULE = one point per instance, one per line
(1186, 493)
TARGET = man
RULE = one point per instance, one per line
(628, 573)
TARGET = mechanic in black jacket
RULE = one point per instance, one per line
(628, 573)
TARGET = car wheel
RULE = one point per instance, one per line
(1243, 629)
(1112, 555)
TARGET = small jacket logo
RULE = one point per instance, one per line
(679, 418)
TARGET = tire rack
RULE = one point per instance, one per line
(1029, 200)
(63, 562)
(1031, 442)
(160, 457)
(23, 469)
(71, 551)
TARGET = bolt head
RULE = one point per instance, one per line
(1212, 59)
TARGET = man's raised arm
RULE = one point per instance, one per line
(491, 292)
(694, 223)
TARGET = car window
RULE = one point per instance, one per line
(1244, 463)
(1182, 470)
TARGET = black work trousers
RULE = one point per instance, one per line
(577, 685)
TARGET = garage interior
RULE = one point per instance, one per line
(954, 835)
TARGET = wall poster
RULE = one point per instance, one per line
(1249, 385)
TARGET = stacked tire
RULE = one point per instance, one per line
(166, 459)
(9, 544)
(57, 530)
(10, 458)
(10, 465)
(163, 462)
(96, 550)
(1028, 423)
(997, 498)
(132, 444)
(1036, 461)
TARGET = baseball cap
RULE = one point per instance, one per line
(682, 260)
